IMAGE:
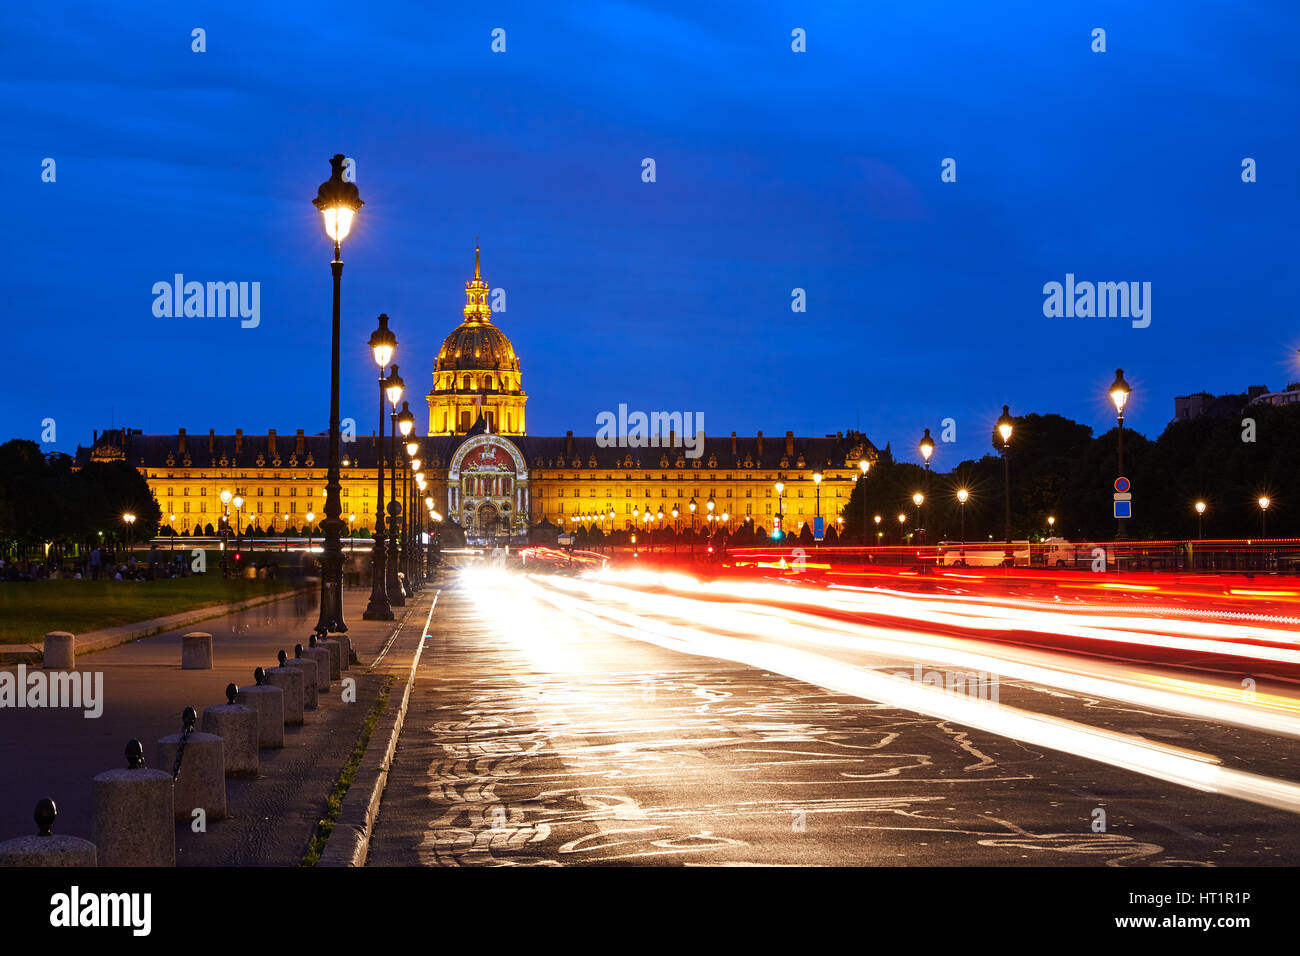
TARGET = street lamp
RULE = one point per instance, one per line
(238, 502)
(927, 448)
(382, 343)
(902, 520)
(286, 533)
(352, 538)
(692, 507)
(1006, 424)
(864, 465)
(962, 497)
(338, 202)
(171, 523)
(401, 543)
(780, 488)
(129, 520)
(1051, 524)
(817, 487)
(1200, 514)
(311, 521)
(393, 388)
(1264, 502)
(918, 499)
(1119, 393)
(676, 528)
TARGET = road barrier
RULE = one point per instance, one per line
(196, 651)
(198, 770)
(132, 816)
(321, 656)
(237, 726)
(289, 680)
(268, 701)
(308, 668)
(45, 848)
(60, 651)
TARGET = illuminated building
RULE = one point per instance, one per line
(486, 473)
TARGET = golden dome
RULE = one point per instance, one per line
(476, 344)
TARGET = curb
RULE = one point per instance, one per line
(102, 640)
(349, 844)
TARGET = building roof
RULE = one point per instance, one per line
(297, 450)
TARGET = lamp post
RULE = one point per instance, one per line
(129, 520)
(286, 534)
(1200, 513)
(918, 499)
(817, 490)
(1264, 502)
(778, 533)
(338, 202)
(1006, 424)
(864, 465)
(962, 497)
(238, 502)
(879, 534)
(692, 507)
(1119, 393)
(225, 528)
(1051, 524)
(311, 521)
(393, 389)
(902, 520)
(171, 523)
(382, 343)
(676, 528)
(352, 538)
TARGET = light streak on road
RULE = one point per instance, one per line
(788, 641)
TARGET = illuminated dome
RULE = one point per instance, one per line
(476, 372)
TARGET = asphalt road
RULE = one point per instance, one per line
(540, 734)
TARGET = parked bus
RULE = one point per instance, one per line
(982, 554)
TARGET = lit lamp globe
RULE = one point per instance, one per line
(918, 499)
(406, 424)
(1200, 507)
(393, 388)
(382, 343)
(1119, 392)
(338, 202)
(963, 495)
(927, 447)
(1006, 424)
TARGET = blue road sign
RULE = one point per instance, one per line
(819, 531)
(1123, 509)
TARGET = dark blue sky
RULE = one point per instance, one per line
(775, 170)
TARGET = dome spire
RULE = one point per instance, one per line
(476, 294)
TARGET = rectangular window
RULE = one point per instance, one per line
(203, 507)
(259, 492)
(187, 507)
(769, 508)
(749, 509)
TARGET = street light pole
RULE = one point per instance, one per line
(382, 343)
(1006, 424)
(339, 203)
(864, 465)
(1119, 393)
(396, 597)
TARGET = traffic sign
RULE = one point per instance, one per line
(1123, 508)
(819, 531)
(1121, 484)
(565, 540)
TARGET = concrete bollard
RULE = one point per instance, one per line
(291, 681)
(201, 777)
(321, 656)
(132, 822)
(268, 701)
(60, 651)
(345, 650)
(236, 725)
(196, 651)
(308, 667)
(46, 849)
(336, 657)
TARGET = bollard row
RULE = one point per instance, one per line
(135, 809)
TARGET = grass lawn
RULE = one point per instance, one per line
(30, 609)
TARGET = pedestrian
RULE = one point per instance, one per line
(94, 564)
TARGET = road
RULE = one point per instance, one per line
(645, 720)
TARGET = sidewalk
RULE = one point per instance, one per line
(56, 752)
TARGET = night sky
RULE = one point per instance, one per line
(775, 170)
